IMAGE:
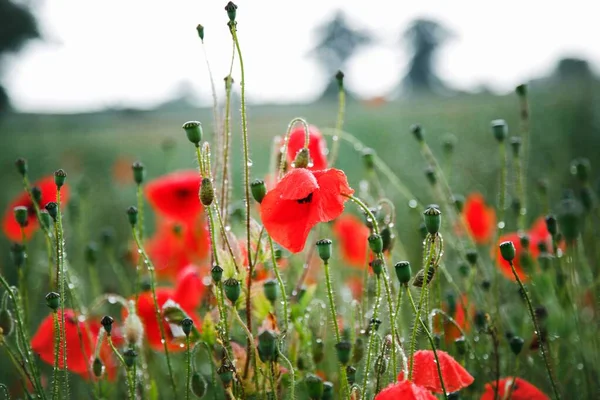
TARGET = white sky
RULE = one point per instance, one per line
(138, 52)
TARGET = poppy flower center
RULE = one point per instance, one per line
(306, 199)
(182, 193)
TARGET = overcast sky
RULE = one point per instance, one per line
(138, 52)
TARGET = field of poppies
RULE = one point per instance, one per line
(273, 257)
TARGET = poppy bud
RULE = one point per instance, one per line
(302, 159)
(368, 157)
(545, 260)
(587, 197)
(419, 280)
(515, 144)
(432, 217)
(464, 270)
(516, 345)
(132, 214)
(270, 290)
(314, 386)
(53, 300)
(216, 272)
(133, 329)
(139, 172)
(459, 202)
(129, 356)
(91, 253)
(59, 178)
(551, 225)
(259, 190)
(343, 351)
(486, 285)
(377, 266)
(107, 237)
(437, 340)
(267, 345)
(472, 256)
(225, 372)
(580, 167)
(480, 319)
(199, 385)
(231, 11)
(232, 289)
(358, 351)
(569, 218)
(339, 77)
(21, 165)
(18, 255)
(7, 322)
(324, 249)
(98, 367)
(461, 345)
(388, 238)
(453, 396)
(327, 391)
(375, 243)
(380, 365)
(193, 130)
(521, 90)
(499, 129)
(403, 272)
(449, 143)
(107, 322)
(228, 82)
(507, 250)
(525, 241)
(374, 324)
(186, 325)
(207, 193)
(417, 132)
(318, 350)
(351, 374)
(52, 209)
(21, 214)
(200, 30)
(430, 175)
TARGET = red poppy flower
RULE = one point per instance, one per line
(316, 145)
(188, 294)
(42, 343)
(522, 390)
(425, 372)
(404, 390)
(355, 284)
(480, 219)
(353, 235)
(175, 195)
(12, 229)
(451, 332)
(301, 200)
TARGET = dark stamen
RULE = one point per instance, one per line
(307, 199)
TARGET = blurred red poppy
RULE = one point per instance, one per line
(457, 312)
(425, 372)
(316, 145)
(301, 200)
(480, 219)
(522, 390)
(79, 363)
(175, 195)
(355, 284)
(12, 229)
(353, 236)
(404, 390)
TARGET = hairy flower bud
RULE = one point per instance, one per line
(207, 193)
(193, 130)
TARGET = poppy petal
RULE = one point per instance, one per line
(353, 236)
(522, 390)
(316, 145)
(404, 390)
(425, 372)
(175, 195)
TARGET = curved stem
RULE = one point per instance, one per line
(372, 335)
(339, 125)
(282, 290)
(290, 367)
(389, 300)
(286, 139)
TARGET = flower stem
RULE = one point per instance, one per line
(60, 254)
(284, 299)
(57, 335)
(339, 125)
(188, 385)
(286, 139)
(291, 372)
(372, 335)
(140, 229)
(524, 154)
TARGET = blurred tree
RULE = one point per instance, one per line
(424, 38)
(17, 26)
(337, 42)
(572, 68)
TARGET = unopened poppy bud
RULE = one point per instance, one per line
(91, 253)
(46, 219)
(343, 349)
(461, 345)
(36, 194)
(508, 251)
(225, 372)
(569, 213)
(216, 272)
(314, 386)
(368, 157)
(351, 374)
(358, 351)
(508, 334)
(207, 193)
(21, 214)
(515, 145)
(270, 290)
(480, 319)
(21, 165)
(377, 266)
(472, 256)
(200, 30)
(231, 11)
(324, 249)
(53, 301)
(7, 322)
(525, 241)
(388, 238)
(420, 280)
(417, 132)
(52, 209)
(403, 272)
(228, 82)
(302, 159)
(259, 190)
(107, 323)
(232, 289)
(499, 129)
(130, 355)
(580, 167)
(186, 325)
(18, 255)
(449, 143)
(432, 217)
(521, 90)
(339, 77)
(551, 225)
(132, 215)
(139, 172)
(430, 174)
(193, 130)
(459, 202)
(516, 345)
(464, 270)
(374, 324)
(60, 176)
(486, 285)
(375, 243)
(267, 345)
(98, 367)
(199, 385)
(327, 391)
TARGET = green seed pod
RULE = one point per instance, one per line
(18, 255)
(21, 165)
(107, 322)
(186, 325)
(461, 345)
(7, 323)
(507, 250)
(432, 217)
(130, 356)
(343, 349)
(53, 300)
(139, 172)
(98, 367)
(314, 386)
(459, 202)
(216, 272)
(403, 272)
(388, 238)
(486, 285)
(339, 77)
(515, 145)
(301, 363)
(521, 90)
(525, 241)
(302, 159)
(36, 194)
(107, 237)
(259, 190)
(52, 209)
(449, 143)
(437, 340)
(231, 11)
(358, 350)
(207, 192)
(233, 290)
(200, 30)
(270, 290)
(374, 324)
(318, 350)
(351, 374)
(499, 129)
(580, 168)
(267, 345)
(21, 215)
(516, 345)
(420, 281)
(464, 270)
(569, 219)
(132, 215)
(60, 176)
(324, 249)
(430, 175)
(376, 243)
(472, 256)
(225, 372)
(377, 266)
(327, 391)
(46, 219)
(368, 157)
(199, 385)
(417, 132)
(193, 131)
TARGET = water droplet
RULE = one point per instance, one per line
(71, 286)
(182, 345)
(580, 366)
(335, 138)
(412, 203)
(162, 341)
(139, 251)
(486, 356)
(249, 163)
(227, 228)
(501, 225)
